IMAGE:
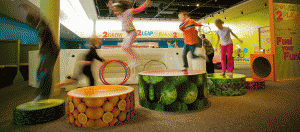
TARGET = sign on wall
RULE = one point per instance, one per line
(287, 40)
(264, 38)
(143, 34)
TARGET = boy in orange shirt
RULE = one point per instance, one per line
(190, 36)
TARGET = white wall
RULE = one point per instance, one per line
(75, 16)
(69, 63)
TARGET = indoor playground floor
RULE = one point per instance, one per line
(275, 108)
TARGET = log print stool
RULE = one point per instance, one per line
(226, 86)
(100, 106)
(173, 90)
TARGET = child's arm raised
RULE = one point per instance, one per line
(235, 36)
(197, 24)
(141, 8)
(181, 27)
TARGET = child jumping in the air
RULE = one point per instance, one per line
(49, 52)
(190, 36)
(226, 46)
(85, 66)
(122, 10)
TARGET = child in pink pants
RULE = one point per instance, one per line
(122, 10)
(226, 46)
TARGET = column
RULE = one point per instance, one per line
(50, 12)
(94, 27)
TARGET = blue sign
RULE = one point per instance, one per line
(254, 45)
(245, 50)
(147, 33)
(246, 59)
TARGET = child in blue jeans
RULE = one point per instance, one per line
(190, 35)
(48, 53)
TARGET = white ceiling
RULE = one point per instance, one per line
(19, 9)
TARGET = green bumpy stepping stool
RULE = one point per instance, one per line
(32, 113)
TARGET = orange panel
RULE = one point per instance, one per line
(272, 32)
(270, 58)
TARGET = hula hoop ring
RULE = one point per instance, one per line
(147, 64)
(127, 71)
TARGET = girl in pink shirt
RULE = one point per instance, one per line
(122, 10)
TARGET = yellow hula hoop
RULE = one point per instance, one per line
(147, 64)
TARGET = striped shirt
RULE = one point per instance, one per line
(190, 33)
(127, 17)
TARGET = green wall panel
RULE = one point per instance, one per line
(9, 52)
(24, 51)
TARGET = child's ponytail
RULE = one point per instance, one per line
(123, 4)
(219, 21)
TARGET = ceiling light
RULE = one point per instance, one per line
(197, 4)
